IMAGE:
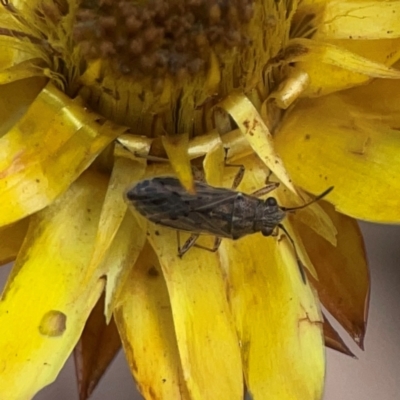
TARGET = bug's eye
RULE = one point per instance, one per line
(271, 201)
(267, 231)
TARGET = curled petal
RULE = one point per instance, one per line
(257, 134)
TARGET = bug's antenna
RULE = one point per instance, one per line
(299, 263)
(319, 197)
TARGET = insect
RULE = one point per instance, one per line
(224, 213)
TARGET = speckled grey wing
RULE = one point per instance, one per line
(164, 201)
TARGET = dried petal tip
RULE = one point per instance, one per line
(160, 36)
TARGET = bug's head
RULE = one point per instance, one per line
(272, 216)
(273, 213)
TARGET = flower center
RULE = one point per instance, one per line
(159, 37)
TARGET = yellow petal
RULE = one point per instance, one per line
(206, 336)
(120, 257)
(213, 164)
(41, 156)
(361, 20)
(276, 314)
(237, 145)
(120, 237)
(326, 53)
(334, 141)
(44, 307)
(300, 248)
(11, 238)
(176, 147)
(144, 321)
(343, 278)
(257, 134)
(213, 75)
(278, 320)
(378, 100)
(313, 215)
(347, 63)
(201, 145)
(92, 73)
(15, 98)
(23, 70)
(129, 144)
(124, 172)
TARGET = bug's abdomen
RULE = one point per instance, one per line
(154, 202)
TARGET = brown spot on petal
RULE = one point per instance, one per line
(153, 272)
(53, 323)
(361, 151)
(250, 126)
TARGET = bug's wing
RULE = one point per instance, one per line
(164, 201)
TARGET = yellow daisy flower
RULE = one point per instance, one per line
(95, 93)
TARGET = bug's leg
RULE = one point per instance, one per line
(190, 242)
(217, 243)
(178, 240)
(266, 189)
(239, 175)
(268, 176)
(269, 186)
(299, 263)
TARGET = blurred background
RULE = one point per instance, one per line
(374, 375)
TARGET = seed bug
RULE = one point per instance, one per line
(224, 213)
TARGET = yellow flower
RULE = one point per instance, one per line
(184, 80)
